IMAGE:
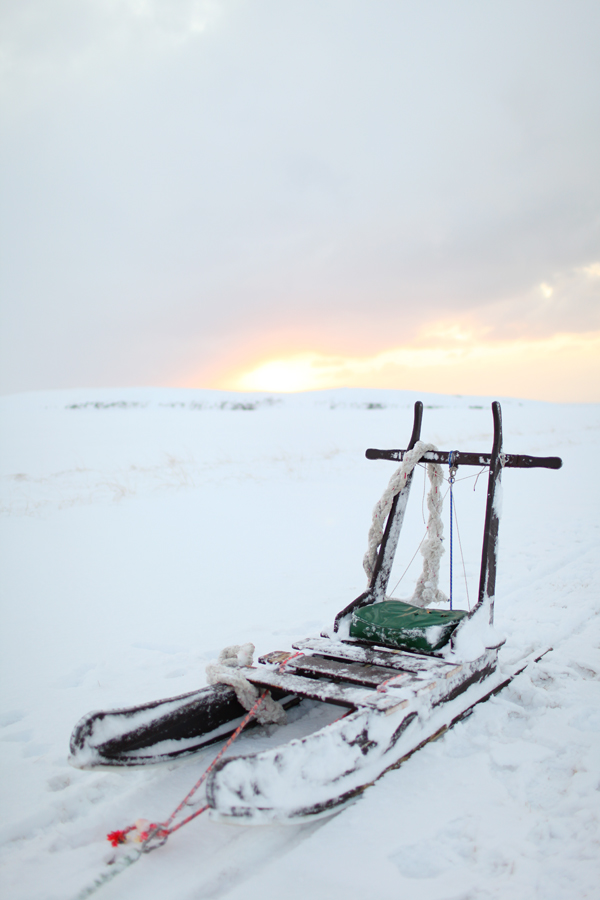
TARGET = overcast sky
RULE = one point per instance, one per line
(191, 188)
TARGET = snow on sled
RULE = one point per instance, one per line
(401, 672)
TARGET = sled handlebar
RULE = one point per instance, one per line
(510, 460)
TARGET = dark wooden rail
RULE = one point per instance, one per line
(509, 460)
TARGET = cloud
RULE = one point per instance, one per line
(592, 271)
(70, 38)
(192, 184)
(565, 301)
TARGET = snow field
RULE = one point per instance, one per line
(145, 529)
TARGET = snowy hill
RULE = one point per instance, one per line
(145, 529)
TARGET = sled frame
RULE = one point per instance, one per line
(495, 461)
(354, 674)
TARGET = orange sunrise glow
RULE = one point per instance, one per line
(563, 367)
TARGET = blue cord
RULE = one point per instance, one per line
(451, 480)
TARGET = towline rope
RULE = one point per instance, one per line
(151, 835)
(156, 834)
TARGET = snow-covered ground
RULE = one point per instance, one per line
(143, 530)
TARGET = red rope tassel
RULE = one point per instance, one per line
(119, 837)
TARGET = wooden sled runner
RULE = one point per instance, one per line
(392, 698)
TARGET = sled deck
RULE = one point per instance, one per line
(397, 690)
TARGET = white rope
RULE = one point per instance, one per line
(224, 672)
(432, 549)
(427, 590)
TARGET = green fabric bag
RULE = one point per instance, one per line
(393, 623)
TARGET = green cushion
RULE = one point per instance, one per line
(397, 624)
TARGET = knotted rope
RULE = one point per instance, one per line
(426, 590)
(223, 672)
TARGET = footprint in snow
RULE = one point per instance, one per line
(18, 736)
(588, 719)
(11, 717)
(417, 861)
(58, 783)
(75, 678)
(36, 749)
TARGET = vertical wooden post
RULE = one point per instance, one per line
(487, 580)
(387, 549)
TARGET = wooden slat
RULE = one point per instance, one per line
(394, 659)
(313, 688)
(355, 673)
